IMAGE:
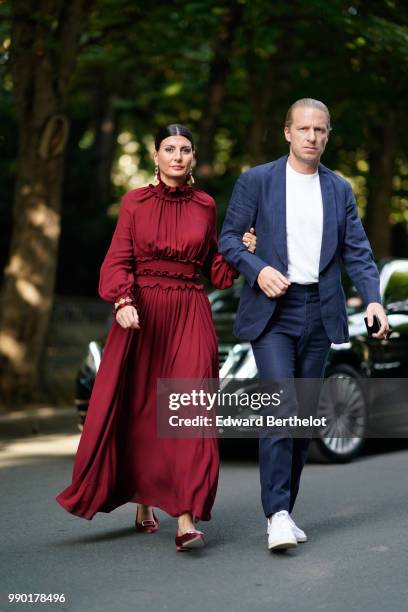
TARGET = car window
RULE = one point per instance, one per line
(226, 303)
(397, 287)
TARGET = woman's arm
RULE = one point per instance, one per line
(116, 279)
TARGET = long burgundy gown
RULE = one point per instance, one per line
(164, 237)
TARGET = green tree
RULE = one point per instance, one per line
(44, 39)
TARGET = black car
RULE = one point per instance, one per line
(351, 364)
(368, 396)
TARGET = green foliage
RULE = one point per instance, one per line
(156, 61)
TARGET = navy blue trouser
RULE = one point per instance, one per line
(294, 344)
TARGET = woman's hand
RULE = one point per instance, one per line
(249, 240)
(128, 317)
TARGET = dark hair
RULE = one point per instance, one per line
(174, 129)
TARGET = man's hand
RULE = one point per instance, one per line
(376, 309)
(272, 282)
(128, 317)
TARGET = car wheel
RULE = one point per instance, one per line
(343, 403)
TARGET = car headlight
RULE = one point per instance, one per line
(93, 358)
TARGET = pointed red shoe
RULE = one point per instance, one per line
(189, 540)
(147, 526)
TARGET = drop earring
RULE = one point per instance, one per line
(156, 173)
(191, 177)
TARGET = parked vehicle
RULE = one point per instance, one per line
(351, 364)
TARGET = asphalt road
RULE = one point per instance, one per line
(356, 559)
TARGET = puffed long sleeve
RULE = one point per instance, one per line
(116, 278)
(220, 273)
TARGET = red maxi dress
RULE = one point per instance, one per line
(163, 238)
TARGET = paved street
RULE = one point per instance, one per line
(356, 558)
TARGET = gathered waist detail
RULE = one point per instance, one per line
(167, 273)
(167, 267)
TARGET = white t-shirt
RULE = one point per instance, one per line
(304, 225)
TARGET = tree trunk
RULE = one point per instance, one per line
(106, 131)
(45, 39)
(215, 92)
(269, 85)
(382, 146)
(261, 104)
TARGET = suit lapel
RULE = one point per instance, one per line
(329, 237)
(278, 207)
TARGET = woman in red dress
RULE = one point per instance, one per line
(163, 328)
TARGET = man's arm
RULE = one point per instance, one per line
(358, 260)
(241, 215)
(357, 255)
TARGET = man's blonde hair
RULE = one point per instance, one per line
(307, 103)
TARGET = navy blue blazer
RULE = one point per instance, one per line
(259, 200)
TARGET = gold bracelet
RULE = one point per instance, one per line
(123, 300)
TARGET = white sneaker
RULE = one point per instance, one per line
(280, 532)
(299, 533)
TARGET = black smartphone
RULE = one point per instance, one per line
(375, 327)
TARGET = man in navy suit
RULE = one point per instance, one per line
(292, 305)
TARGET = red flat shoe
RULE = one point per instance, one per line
(189, 540)
(149, 526)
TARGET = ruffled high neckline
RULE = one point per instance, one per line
(167, 192)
